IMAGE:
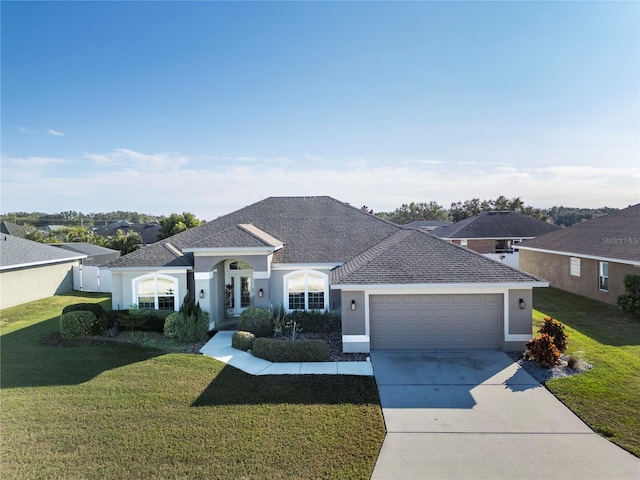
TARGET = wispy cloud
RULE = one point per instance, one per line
(132, 160)
(56, 133)
(33, 162)
(215, 190)
(25, 130)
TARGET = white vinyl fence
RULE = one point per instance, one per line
(511, 259)
(92, 279)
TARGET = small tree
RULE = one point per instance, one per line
(176, 223)
(192, 323)
(629, 302)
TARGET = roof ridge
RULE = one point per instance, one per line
(173, 249)
(260, 234)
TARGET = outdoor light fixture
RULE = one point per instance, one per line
(201, 293)
(353, 304)
(521, 304)
(260, 293)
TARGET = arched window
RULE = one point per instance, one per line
(156, 291)
(306, 290)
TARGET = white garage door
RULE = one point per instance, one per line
(401, 322)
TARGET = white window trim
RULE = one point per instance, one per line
(601, 276)
(155, 277)
(285, 281)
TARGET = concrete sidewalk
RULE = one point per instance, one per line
(219, 347)
(479, 415)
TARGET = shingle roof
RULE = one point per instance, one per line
(14, 229)
(416, 257)
(18, 252)
(85, 248)
(614, 236)
(504, 224)
(313, 229)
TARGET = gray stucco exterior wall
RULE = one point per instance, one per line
(24, 285)
(520, 320)
(353, 321)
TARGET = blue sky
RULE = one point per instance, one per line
(163, 107)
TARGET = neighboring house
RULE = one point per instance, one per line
(589, 258)
(148, 231)
(14, 229)
(395, 288)
(96, 255)
(427, 225)
(494, 234)
(31, 270)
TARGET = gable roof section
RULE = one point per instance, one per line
(615, 236)
(503, 224)
(16, 252)
(312, 229)
(14, 229)
(415, 257)
(85, 248)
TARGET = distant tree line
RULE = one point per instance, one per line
(409, 212)
(73, 218)
(74, 228)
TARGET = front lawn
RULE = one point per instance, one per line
(607, 397)
(130, 412)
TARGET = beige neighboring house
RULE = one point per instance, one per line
(589, 258)
(31, 270)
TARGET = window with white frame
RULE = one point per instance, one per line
(156, 291)
(306, 290)
(603, 277)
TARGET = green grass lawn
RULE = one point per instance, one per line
(131, 412)
(607, 397)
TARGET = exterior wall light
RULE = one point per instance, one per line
(261, 293)
(353, 304)
(201, 293)
(521, 304)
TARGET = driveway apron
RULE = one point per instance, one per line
(477, 415)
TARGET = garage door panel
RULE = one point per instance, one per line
(435, 321)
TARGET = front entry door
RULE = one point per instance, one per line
(239, 287)
(239, 292)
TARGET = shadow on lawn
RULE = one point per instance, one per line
(234, 387)
(28, 363)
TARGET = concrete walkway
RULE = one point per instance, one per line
(478, 415)
(219, 347)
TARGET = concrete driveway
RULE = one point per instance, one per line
(477, 415)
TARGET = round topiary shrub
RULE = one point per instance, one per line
(171, 325)
(94, 308)
(74, 324)
(257, 321)
(242, 340)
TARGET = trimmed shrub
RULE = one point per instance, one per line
(146, 320)
(629, 302)
(544, 351)
(275, 350)
(102, 322)
(315, 321)
(257, 321)
(94, 308)
(242, 340)
(76, 323)
(171, 325)
(556, 331)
